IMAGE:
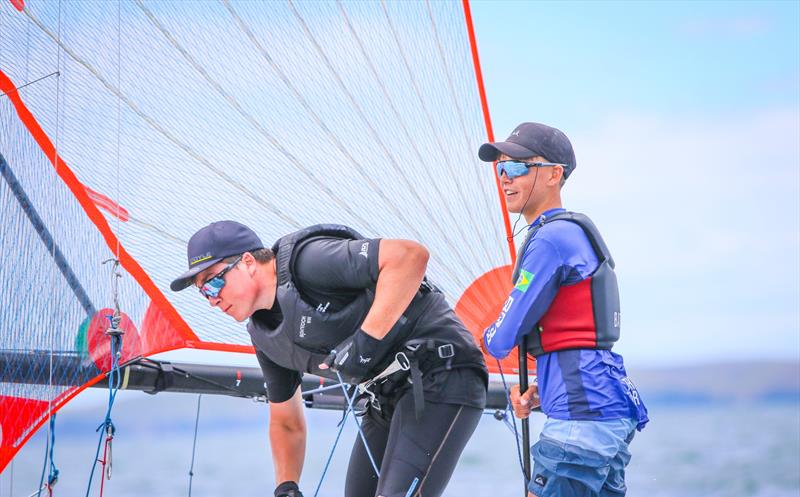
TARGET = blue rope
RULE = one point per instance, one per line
(360, 431)
(513, 420)
(194, 444)
(53, 476)
(114, 379)
(48, 454)
(330, 455)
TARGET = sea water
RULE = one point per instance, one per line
(734, 450)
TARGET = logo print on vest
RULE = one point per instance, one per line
(524, 281)
(323, 308)
(303, 322)
(364, 250)
(364, 360)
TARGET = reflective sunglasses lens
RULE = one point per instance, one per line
(212, 287)
(513, 169)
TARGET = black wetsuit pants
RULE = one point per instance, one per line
(416, 457)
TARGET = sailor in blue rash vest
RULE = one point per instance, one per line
(565, 300)
(324, 299)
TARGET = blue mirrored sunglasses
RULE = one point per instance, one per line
(516, 168)
(211, 288)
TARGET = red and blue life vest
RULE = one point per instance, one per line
(584, 315)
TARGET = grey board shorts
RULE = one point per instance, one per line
(582, 458)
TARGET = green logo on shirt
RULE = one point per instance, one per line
(524, 281)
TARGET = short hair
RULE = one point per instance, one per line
(262, 255)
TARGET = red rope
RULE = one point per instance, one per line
(106, 457)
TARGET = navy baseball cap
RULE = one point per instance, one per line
(212, 244)
(531, 140)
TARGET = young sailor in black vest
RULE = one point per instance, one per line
(324, 300)
(565, 301)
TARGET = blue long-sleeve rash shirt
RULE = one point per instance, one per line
(573, 384)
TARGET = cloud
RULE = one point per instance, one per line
(702, 215)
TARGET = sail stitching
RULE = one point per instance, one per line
(397, 212)
(434, 219)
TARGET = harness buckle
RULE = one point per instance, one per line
(403, 361)
(446, 351)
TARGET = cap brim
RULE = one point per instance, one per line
(489, 151)
(186, 279)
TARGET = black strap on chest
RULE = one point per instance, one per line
(592, 233)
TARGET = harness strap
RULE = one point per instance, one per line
(409, 359)
(416, 388)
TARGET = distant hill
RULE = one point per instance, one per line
(763, 381)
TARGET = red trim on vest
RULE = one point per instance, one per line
(569, 321)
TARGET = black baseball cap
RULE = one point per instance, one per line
(212, 244)
(531, 140)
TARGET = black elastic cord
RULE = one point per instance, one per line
(514, 231)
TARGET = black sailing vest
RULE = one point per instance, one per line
(585, 315)
(288, 344)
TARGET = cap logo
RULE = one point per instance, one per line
(515, 133)
(200, 258)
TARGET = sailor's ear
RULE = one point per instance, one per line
(556, 174)
(249, 262)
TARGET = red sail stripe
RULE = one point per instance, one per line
(487, 118)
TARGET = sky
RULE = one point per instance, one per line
(685, 119)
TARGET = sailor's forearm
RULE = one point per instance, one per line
(288, 451)
(287, 436)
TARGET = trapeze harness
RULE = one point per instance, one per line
(299, 352)
(585, 315)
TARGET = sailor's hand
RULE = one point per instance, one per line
(523, 403)
(288, 489)
(354, 357)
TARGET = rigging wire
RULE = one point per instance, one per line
(119, 120)
(114, 380)
(55, 73)
(53, 476)
(194, 443)
(48, 450)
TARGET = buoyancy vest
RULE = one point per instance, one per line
(585, 315)
(290, 344)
